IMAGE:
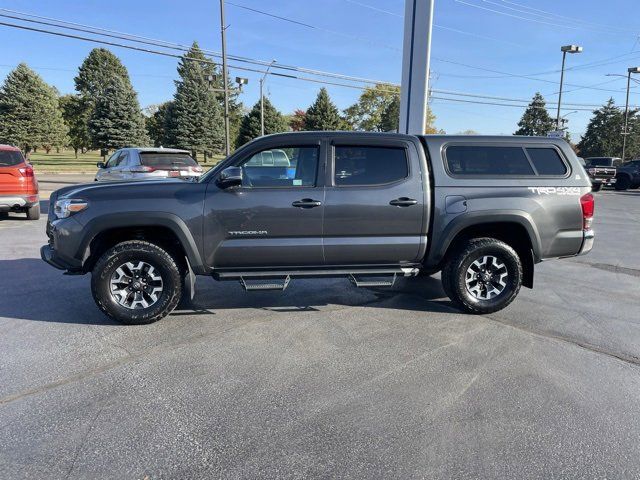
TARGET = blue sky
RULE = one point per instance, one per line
(363, 38)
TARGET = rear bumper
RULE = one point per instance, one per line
(14, 202)
(587, 242)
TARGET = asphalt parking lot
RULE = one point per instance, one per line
(326, 380)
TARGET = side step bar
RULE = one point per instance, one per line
(308, 273)
(361, 282)
(252, 284)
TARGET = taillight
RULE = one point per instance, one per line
(26, 171)
(142, 169)
(588, 204)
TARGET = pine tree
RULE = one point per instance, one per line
(73, 109)
(156, 122)
(323, 114)
(97, 71)
(536, 120)
(116, 121)
(29, 111)
(274, 122)
(391, 118)
(196, 121)
(604, 133)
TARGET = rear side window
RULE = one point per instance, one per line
(9, 158)
(369, 165)
(166, 160)
(547, 161)
(481, 160)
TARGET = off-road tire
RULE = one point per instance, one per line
(454, 272)
(623, 182)
(33, 212)
(137, 250)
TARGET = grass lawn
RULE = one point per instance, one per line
(66, 162)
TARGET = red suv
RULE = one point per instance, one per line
(18, 184)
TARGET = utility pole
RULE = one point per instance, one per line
(625, 133)
(414, 94)
(264, 77)
(225, 78)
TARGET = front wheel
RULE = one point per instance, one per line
(596, 187)
(483, 275)
(136, 282)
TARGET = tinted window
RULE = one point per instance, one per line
(479, 160)
(9, 158)
(599, 162)
(162, 160)
(281, 167)
(547, 161)
(113, 159)
(369, 165)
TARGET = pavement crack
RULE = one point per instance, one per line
(633, 272)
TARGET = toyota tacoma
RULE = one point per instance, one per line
(369, 207)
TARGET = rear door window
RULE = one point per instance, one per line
(487, 160)
(355, 165)
(547, 161)
(9, 158)
(167, 161)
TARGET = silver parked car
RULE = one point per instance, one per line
(148, 164)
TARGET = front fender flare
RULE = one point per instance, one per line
(144, 219)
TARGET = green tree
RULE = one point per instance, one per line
(29, 111)
(323, 114)
(391, 118)
(156, 123)
(368, 112)
(536, 121)
(116, 120)
(97, 71)
(196, 120)
(274, 122)
(603, 136)
(73, 109)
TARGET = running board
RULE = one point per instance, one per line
(252, 284)
(308, 273)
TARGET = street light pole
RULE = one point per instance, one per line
(225, 78)
(262, 97)
(566, 49)
(625, 133)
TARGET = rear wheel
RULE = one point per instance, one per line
(623, 182)
(136, 282)
(483, 275)
(33, 213)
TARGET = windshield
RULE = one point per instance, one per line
(9, 158)
(160, 160)
(600, 162)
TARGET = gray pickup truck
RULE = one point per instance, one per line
(370, 207)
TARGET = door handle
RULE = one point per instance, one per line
(306, 203)
(403, 202)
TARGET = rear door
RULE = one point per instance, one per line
(374, 202)
(274, 218)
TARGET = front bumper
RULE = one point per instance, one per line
(48, 255)
(588, 238)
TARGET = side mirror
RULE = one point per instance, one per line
(230, 177)
(100, 165)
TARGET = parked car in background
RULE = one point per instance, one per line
(628, 175)
(18, 184)
(148, 164)
(602, 171)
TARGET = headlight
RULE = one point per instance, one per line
(69, 206)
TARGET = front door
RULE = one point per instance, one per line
(374, 203)
(274, 219)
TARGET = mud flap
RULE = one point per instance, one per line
(189, 281)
